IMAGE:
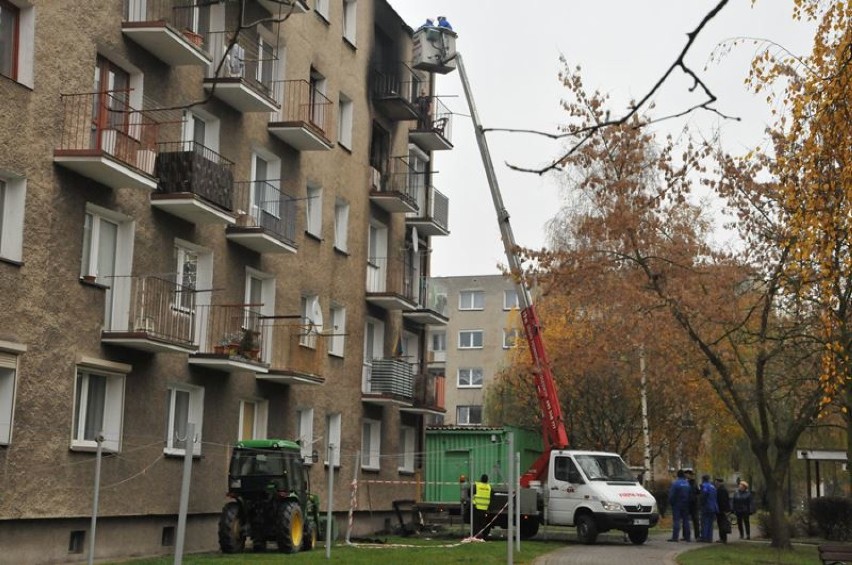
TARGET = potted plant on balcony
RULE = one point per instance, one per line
(249, 347)
(195, 38)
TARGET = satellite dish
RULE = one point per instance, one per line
(316, 316)
(415, 241)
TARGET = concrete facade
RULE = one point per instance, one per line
(120, 352)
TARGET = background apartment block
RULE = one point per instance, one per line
(484, 323)
(215, 213)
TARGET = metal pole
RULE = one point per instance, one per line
(647, 476)
(470, 487)
(511, 484)
(94, 526)
(328, 515)
(189, 446)
(518, 505)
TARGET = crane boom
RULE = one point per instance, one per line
(553, 426)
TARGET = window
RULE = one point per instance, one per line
(350, 7)
(332, 436)
(8, 372)
(321, 8)
(186, 282)
(510, 338)
(407, 447)
(338, 328)
(468, 415)
(470, 377)
(202, 129)
(471, 300)
(439, 341)
(266, 196)
(344, 121)
(12, 196)
(253, 417)
(260, 295)
(305, 430)
(341, 225)
(17, 35)
(510, 299)
(98, 408)
(312, 317)
(374, 335)
(470, 339)
(314, 211)
(371, 437)
(184, 404)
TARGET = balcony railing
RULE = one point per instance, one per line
(395, 91)
(302, 103)
(298, 349)
(184, 16)
(98, 123)
(389, 377)
(432, 296)
(429, 391)
(233, 331)
(434, 125)
(394, 276)
(433, 216)
(249, 61)
(187, 166)
(266, 206)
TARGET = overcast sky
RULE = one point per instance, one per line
(511, 51)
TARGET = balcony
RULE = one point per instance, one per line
(241, 76)
(298, 352)
(160, 319)
(266, 220)
(390, 283)
(103, 139)
(195, 183)
(388, 381)
(233, 339)
(171, 30)
(284, 7)
(397, 190)
(428, 395)
(395, 92)
(434, 127)
(304, 120)
(433, 215)
(430, 304)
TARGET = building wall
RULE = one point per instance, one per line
(53, 320)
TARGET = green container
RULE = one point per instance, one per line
(453, 452)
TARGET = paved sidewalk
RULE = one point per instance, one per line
(611, 549)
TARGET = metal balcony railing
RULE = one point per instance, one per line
(233, 331)
(161, 309)
(187, 166)
(438, 208)
(429, 391)
(267, 207)
(249, 59)
(389, 377)
(434, 116)
(301, 102)
(188, 17)
(432, 296)
(387, 275)
(401, 82)
(403, 180)
(104, 122)
(297, 347)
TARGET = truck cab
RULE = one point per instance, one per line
(595, 492)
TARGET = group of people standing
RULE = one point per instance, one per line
(701, 505)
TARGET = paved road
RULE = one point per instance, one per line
(611, 549)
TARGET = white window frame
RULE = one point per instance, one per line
(9, 354)
(511, 337)
(472, 341)
(466, 411)
(345, 115)
(195, 414)
(185, 256)
(374, 338)
(438, 341)
(313, 211)
(371, 444)
(467, 377)
(305, 431)
(341, 225)
(13, 193)
(350, 20)
(510, 303)
(407, 448)
(313, 320)
(259, 415)
(114, 375)
(333, 429)
(337, 340)
(267, 295)
(25, 47)
(270, 200)
(468, 300)
(321, 8)
(211, 129)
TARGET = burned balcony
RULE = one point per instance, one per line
(241, 72)
(304, 120)
(161, 315)
(232, 339)
(388, 381)
(431, 304)
(102, 138)
(172, 30)
(281, 8)
(195, 183)
(434, 127)
(299, 351)
(428, 395)
(433, 213)
(390, 283)
(397, 190)
(395, 92)
(266, 218)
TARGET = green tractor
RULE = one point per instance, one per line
(268, 482)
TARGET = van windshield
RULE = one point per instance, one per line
(605, 468)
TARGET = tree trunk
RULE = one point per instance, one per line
(778, 521)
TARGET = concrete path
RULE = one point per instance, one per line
(612, 549)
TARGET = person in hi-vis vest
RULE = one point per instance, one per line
(481, 500)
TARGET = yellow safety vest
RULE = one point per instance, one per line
(482, 496)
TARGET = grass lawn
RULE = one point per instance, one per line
(749, 554)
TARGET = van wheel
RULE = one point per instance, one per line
(587, 530)
(638, 537)
(529, 528)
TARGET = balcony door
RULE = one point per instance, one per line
(266, 197)
(377, 260)
(110, 111)
(374, 338)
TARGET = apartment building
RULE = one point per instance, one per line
(484, 323)
(217, 214)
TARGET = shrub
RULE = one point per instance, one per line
(832, 516)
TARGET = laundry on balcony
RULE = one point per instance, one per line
(235, 60)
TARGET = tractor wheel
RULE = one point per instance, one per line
(638, 536)
(290, 527)
(309, 540)
(587, 530)
(232, 536)
(529, 528)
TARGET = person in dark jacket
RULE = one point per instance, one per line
(709, 508)
(679, 502)
(694, 490)
(723, 504)
(742, 508)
